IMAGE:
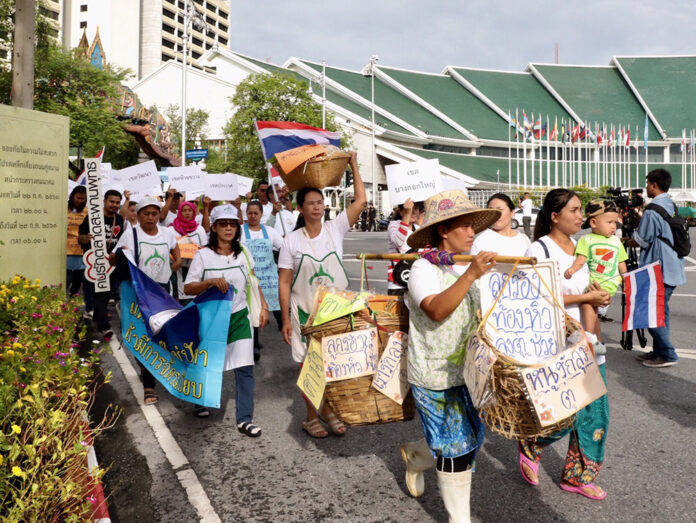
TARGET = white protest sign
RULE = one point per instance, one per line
(186, 179)
(96, 258)
(477, 370)
(416, 180)
(350, 355)
(106, 169)
(244, 184)
(219, 187)
(528, 321)
(140, 179)
(391, 377)
(564, 385)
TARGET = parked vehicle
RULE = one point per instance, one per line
(517, 218)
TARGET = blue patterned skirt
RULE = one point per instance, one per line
(451, 424)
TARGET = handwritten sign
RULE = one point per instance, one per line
(477, 370)
(564, 385)
(391, 377)
(416, 180)
(333, 306)
(187, 249)
(219, 187)
(140, 178)
(186, 179)
(350, 355)
(96, 258)
(311, 380)
(244, 184)
(526, 323)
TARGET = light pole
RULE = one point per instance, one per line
(191, 15)
(369, 69)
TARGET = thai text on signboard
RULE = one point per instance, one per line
(391, 377)
(350, 355)
(97, 257)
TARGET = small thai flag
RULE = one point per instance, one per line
(645, 298)
(277, 137)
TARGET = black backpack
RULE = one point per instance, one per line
(680, 230)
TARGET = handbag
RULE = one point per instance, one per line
(253, 294)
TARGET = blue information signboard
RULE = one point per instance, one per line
(196, 154)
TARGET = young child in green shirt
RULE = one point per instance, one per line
(604, 254)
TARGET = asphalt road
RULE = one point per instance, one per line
(286, 476)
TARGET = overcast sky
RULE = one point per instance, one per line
(427, 35)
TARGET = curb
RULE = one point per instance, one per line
(100, 514)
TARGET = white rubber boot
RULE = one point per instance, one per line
(418, 459)
(455, 489)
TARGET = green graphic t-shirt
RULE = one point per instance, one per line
(603, 257)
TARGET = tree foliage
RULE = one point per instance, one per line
(196, 125)
(276, 96)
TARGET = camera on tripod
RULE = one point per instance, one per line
(628, 202)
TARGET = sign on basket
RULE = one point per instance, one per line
(526, 323)
(563, 385)
(477, 370)
(391, 378)
(311, 380)
(350, 355)
(416, 180)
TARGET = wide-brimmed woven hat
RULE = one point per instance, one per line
(445, 206)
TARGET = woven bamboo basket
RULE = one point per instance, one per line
(512, 414)
(318, 172)
(354, 401)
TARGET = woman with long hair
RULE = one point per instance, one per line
(223, 264)
(77, 210)
(311, 256)
(501, 237)
(559, 218)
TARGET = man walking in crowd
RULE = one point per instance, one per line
(655, 239)
(526, 206)
(113, 229)
(371, 218)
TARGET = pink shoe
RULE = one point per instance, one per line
(589, 490)
(524, 460)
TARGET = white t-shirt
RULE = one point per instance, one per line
(153, 251)
(289, 218)
(199, 236)
(273, 235)
(492, 241)
(424, 280)
(171, 216)
(329, 239)
(527, 207)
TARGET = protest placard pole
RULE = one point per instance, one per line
(457, 257)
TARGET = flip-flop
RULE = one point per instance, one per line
(335, 424)
(585, 490)
(150, 397)
(524, 460)
(314, 428)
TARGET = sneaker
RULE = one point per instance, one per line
(658, 363)
(107, 334)
(643, 356)
(88, 315)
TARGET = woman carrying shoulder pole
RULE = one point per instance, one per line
(311, 256)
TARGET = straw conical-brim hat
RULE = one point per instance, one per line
(445, 206)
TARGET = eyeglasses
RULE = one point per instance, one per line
(226, 223)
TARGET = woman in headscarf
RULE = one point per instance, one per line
(190, 236)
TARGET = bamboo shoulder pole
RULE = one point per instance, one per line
(457, 257)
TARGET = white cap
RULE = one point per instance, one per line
(147, 202)
(224, 212)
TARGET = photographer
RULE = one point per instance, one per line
(655, 239)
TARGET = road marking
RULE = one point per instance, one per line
(689, 354)
(685, 295)
(690, 259)
(184, 473)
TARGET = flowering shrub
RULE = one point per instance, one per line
(44, 394)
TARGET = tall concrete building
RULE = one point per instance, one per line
(142, 34)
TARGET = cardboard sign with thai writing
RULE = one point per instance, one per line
(477, 370)
(221, 187)
(527, 323)
(244, 185)
(186, 179)
(564, 385)
(140, 178)
(416, 180)
(96, 258)
(391, 377)
(187, 249)
(311, 380)
(333, 306)
(350, 355)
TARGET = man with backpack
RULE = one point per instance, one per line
(662, 236)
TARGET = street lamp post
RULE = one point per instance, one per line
(191, 16)
(369, 69)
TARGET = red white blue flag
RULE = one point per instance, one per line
(277, 137)
(645, 298)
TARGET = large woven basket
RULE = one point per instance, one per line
(318, 172)
(354, 401)
(512, 414)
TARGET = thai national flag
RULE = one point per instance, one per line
(82, 179)
(645, 298)
(277, 137)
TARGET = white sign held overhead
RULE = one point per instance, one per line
(221, 187)
(186, 179)
(244, 185)
(416, 180)
(140, 178)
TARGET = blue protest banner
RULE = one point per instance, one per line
(183, 348)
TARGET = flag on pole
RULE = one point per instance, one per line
(554, 131)
(277, 137)
(82, 179)
(645, 133)
(645, 298)
(627, 136)
(683, 142)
